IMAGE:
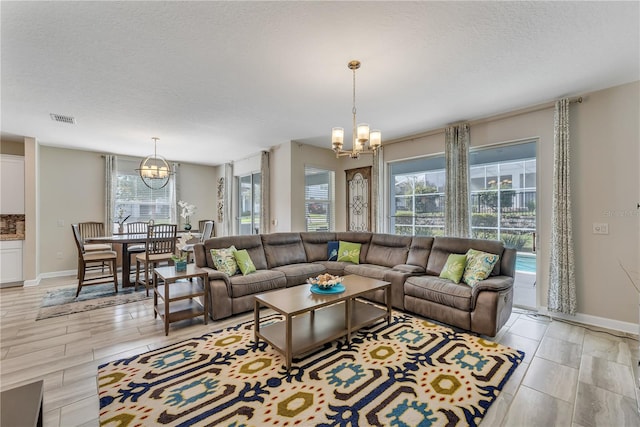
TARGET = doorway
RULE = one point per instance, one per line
(504, 207)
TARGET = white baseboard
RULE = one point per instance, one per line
(36, 281)
(602, 322)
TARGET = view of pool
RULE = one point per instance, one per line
(526, 262)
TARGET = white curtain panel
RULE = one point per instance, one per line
(174, 192)
(265, 209)
(456, 211)
(227, 225)
(110, 176)
(377, 193)
(562, 285)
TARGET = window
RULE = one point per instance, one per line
(249, 204)
(417, 196)
(319, 199)
(139, 202)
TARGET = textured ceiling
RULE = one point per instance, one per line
(218, 81)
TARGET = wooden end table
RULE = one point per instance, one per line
(312, 319)
(177, 290)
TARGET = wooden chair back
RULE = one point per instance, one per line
(78, 238)
(90, 229)
(137, 227)
(161, 239)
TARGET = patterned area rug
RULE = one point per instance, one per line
(63, 301)
(411, 373)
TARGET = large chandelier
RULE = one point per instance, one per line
(361, 134)
(154, 170)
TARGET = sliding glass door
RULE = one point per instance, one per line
(249, 204)
(503, 207)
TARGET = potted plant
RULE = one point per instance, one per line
(180, 257)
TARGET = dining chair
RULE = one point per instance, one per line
(85, 258)
(93, 229)
(207, 231)
(137, 227)
(202, 223)
(160, 246)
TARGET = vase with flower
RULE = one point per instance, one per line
(187, 210)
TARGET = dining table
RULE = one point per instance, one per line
(124, 240)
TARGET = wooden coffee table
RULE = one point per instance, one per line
(312, 319)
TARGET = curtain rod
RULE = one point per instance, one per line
(539, 107)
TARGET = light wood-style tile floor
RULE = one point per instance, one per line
(572, 375)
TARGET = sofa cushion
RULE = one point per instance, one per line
(419, 251)
(332, 250)
(315, 244)
(257, 282)
(334, 267)
(224, 260)
(388, 249)
(479, 266)
(362, 237)
(454, 268)
(367, 270)
(440, 291)
(244, 262)
(283, 249)
(298, 274)
(252, 243)
(444, 246)
(349, 252)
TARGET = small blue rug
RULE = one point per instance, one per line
(61, 302)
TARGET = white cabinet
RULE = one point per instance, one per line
(10, 261)
(12, 184)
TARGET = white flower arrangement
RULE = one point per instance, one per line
(187, 209)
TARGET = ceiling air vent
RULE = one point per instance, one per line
(63, 119)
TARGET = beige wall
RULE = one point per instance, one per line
(65, 199)
(605, 149)
(281, 182)
(15, 148)
(199, 186)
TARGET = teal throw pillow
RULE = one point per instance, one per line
(349, 252)
(224, 261)
(244, 262)
(454, 268)
(479, 266)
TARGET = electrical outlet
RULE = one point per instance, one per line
(59, 255)
(61, 223)
(600, 228)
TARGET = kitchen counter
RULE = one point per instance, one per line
(16, 236)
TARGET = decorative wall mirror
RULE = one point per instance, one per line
(359, 199)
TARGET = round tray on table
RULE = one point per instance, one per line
(335, 289)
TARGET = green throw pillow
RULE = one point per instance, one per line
(224, 261)
(349, 252)
(454, 268)
(479, 266)
(244, 262)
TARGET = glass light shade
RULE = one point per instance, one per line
(375, 139)
(337, 138)
(363, 132)
(337, 135)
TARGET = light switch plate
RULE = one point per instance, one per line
(600, 228)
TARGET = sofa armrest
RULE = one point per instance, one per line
(409, 268)
(493, 283)
(218, 275)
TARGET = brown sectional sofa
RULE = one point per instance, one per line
(411, 264)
